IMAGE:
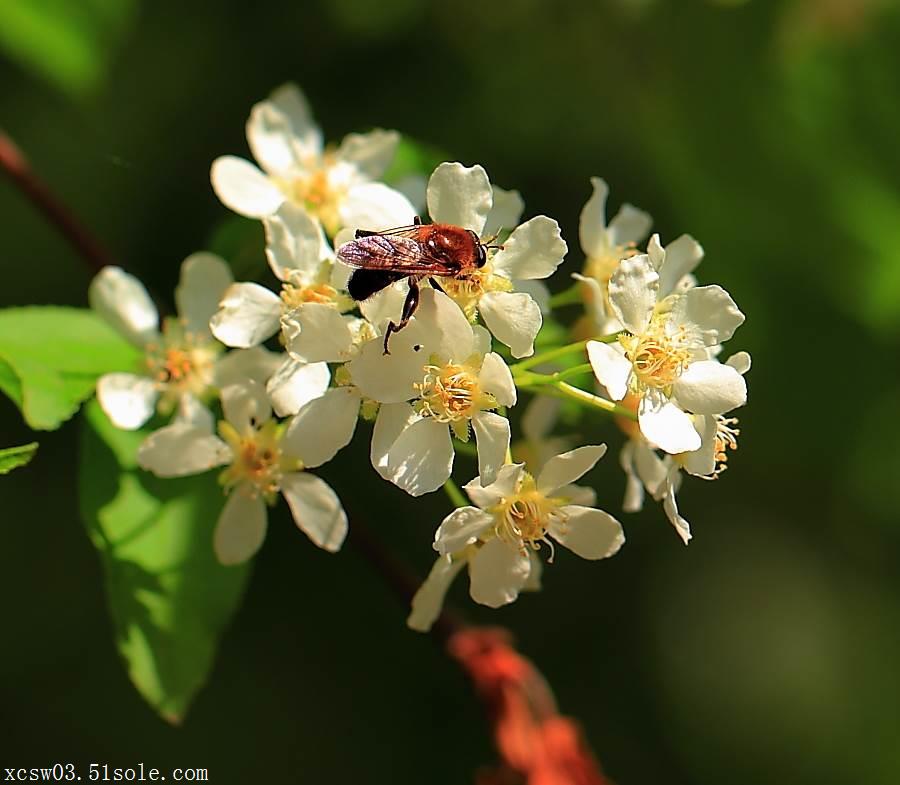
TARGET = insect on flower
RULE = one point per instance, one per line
(413, 252)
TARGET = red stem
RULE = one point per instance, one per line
(14, 163)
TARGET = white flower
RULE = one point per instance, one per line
(505, 291)
(499, 537)
(666, 357)
(604, 247)
(295, 167)
(310, 309)
(661, 477)
(444, 366)
(262, 458)
(179, 360)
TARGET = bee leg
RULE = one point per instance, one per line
(436, 285)
(409, 308)
(364, 233)
(417, 221)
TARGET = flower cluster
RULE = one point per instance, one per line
(428, 331)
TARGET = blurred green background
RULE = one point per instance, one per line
(768, 650)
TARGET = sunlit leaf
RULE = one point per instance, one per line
(170, 599)
(68, 43)
(51, 357)
(14, 457)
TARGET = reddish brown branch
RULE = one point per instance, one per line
(14, 163)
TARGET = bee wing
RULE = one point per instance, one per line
(394, 252)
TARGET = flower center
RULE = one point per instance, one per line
(449, 393)
(466, 290)
(257, 460)
(659, 356)
(526, 517)
(314, 192)
(180, 363)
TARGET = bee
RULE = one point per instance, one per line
(412, 252)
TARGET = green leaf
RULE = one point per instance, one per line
(170, 598)
(68, 43)
(51, 357)
(14, 457)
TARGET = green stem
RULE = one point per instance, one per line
(454, 494)
(595, 401)
(559, 351)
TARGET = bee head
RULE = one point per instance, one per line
(480, 251)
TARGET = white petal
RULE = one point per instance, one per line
(247, 316)
(633, 292)
(514, 319)
(257, 363)
(711, 310)
(651, 469)
(316, 509)
(295, 384)
(281, 131)
(391, 421)
(447, 331)
(384, 306)
(317, 332)
(241, 528)
(670, 506)
(740, 361)
(709, 387)
(389, 378)
(629, 225)
(204, 279)
(246, 405)
(610, 367)
(568, 467)
(322, 427)
(592, 224)
(538, 291)
(294, 242)
(413, 187)
(539, 417)
(495, 378)
(460, 528)
(192, 412)
(376, 207)
(370, 153)
(181, 449)
(577, 494)
(482, 342)
(537, 570)
(421, 459)
(667, 426)
(702, 462)
(505, 213)
(460, 195)
(498, 572)
(534, 250)
(592, 534)
(243, 188)
(123, 302)
(128, 400)
(507, 484)
(429, 599)
(595, 303)
(492, 437)
(682, 257)
(634, 489)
